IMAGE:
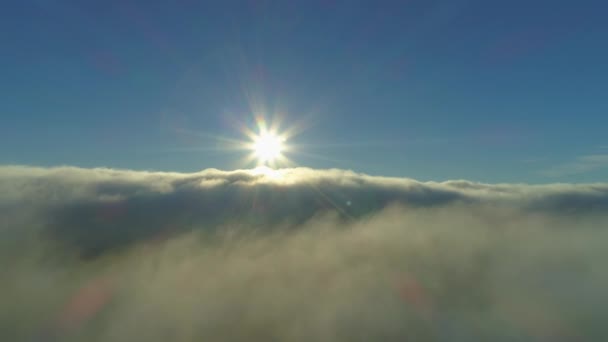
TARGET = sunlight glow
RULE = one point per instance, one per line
(268, 172)
(267, 147)
(267, 142)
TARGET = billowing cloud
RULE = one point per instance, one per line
(297, 255)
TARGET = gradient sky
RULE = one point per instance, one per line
(492, 91)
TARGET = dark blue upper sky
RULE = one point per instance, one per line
(495, 91)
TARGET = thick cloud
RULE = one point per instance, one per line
(297, 254)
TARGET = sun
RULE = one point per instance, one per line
(267, 143)
(267, 147)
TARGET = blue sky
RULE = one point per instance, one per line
(492, 91)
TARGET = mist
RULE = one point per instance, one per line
(297, 255)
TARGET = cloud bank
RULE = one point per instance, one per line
(297, 255)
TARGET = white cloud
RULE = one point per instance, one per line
(237, 255)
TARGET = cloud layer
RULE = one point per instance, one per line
(297, 255)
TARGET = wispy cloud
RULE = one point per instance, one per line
(582, 164)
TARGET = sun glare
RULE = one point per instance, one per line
(267, 147)
(267, 143)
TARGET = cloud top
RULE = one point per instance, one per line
(297, 255)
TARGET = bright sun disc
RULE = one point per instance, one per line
(267, 147)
